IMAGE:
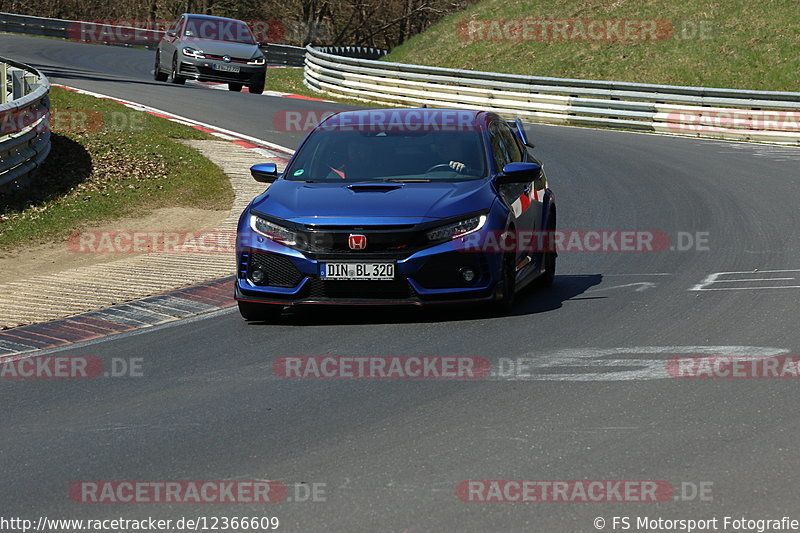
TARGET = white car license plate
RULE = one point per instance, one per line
(227, 68)
(357, 271)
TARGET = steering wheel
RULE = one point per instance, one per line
(446, 166)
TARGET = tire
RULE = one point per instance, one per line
(509, 281)
(174, 77)
(259, 312)
(235, 87)
(157, 74)
(549, 259)
(256, 89)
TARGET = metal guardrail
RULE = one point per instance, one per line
(705, 112)
(24, 122)
(80, 31)
(282, 54)
(25, 24)
(101, 33)
(356, 52)
(94, 32)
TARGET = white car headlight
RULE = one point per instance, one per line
(272, 231)
(192, 52)
(457, 229)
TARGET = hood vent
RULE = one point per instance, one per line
(374, 187)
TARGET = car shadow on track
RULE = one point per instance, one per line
(62, 74)
(530, 301)
(534, 300)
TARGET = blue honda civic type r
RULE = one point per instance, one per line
(398, 206)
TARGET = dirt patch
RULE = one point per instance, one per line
(56, 257)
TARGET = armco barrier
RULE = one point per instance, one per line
(705, 112)
(73, 29)
(357, 52)
(24, 120)
(77, 30)
(276, 54)
(101, 33)
(282, 54)
(30, 25)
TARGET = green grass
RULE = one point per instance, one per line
(108, 162)
(753, 44)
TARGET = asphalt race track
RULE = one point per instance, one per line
(390, 453)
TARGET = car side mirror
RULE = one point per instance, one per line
(171, 33)
(264, 172)
(519, 173)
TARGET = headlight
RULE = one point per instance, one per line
(272, 231)
(191, 52)
(257, 61)
(457, 229)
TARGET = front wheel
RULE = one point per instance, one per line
(174, 77)
(256, 89)
(235, 87)
(549, 258)
(509, 286)
(259, 312)
(157, 74)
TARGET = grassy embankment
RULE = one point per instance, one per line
(740, 44)
(107, 162)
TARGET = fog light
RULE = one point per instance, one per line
(467, 274)
(258, 276)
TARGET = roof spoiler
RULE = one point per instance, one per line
(519, 131)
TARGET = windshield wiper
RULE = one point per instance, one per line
(408, 180)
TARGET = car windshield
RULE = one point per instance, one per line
(231, 31)
(404, 156)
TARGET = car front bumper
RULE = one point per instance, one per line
(204, 70)
(428, 276)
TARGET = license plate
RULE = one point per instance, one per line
(357, 271)
(226, 68)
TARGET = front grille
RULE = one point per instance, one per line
(442, 271)
(390, 290)
(397, 241)
(280, 270)
(219, 58)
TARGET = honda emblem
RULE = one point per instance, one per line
(357, 242)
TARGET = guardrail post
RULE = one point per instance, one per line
(3, 83)
(30, 82)
(17, 84)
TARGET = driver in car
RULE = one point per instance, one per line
(353, 162)
(448, 147)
